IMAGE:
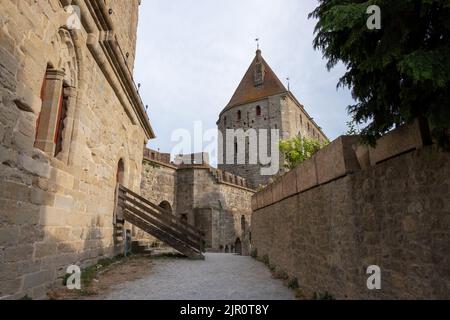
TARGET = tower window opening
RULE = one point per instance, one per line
(62, 114)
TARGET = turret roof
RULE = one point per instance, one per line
(258, 82)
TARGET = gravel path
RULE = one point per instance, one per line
(218, 277)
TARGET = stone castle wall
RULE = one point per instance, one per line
(227, 203)
(296, 121)
(327, 221)
(209, 199)
(125, 18)
(56, 211)
(280, 112)
(159, 183)
(270, 118)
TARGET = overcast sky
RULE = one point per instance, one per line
(192, 54)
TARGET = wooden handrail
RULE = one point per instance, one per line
(159, 222)
(158, 217)
(167, 214)
(166, 229)
(163, 218)
(174, 242)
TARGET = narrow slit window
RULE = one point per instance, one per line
(60, 126)
(258, 111)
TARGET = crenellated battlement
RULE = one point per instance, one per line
(195, 161)
(154, 155)
(227, 177)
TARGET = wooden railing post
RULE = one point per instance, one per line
(118, 212)
(158, 222)
(116, 204)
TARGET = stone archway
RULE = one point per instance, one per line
(117, 215)
(238, 246)
(120, 180)
(166, 206)
(184, 218)
(120, 174)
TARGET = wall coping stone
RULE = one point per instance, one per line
(164, 164)
(401, 140)
(342, 157)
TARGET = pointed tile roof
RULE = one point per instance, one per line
(258, 82)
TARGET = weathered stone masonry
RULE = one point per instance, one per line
(327, 221)
(261, 102)
(56, 207)
(217, 202)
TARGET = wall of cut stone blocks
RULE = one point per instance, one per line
(125, 16)
(228, 203)
(336, 223)
(56, 211)
(280, 112)
(158, 183)
(214, 206)
(296, 121)
(270, 118)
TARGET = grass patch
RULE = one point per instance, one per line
(88, 274)
(87, 293)
(281, 274)
(293, 284)
(99, 278)
(299, 294)
(265, 260)
(323, 296)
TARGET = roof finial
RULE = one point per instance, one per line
(288, 83)
(257, 44)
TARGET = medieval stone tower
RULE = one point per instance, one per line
(261, 101)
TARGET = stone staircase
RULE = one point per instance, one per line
(141, 247)
(159, 223)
